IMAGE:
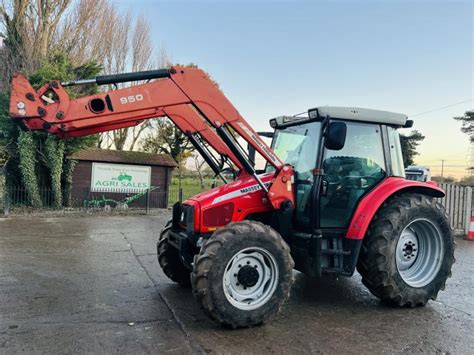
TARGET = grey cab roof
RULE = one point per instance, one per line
(362, 114)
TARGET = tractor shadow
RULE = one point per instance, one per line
(342, 300)
(344, 296)
(332, 291)
(327, 313)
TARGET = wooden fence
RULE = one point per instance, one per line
(458, 203)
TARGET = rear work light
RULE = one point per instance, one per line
(219, 215)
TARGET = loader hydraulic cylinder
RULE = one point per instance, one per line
(122, 78)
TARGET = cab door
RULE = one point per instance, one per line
(349, 173)
(298, 145)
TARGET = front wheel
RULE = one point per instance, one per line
(170, 261)
(408, 252)
(243, 274)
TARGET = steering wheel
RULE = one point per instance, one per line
(355, 182)
(226, 172)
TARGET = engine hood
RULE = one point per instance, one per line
(238, 188)
(245, 195)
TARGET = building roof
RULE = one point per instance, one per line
(124, 157)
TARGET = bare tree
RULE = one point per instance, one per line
(35, 28)
(199, 166)
(13, 23)
(165, 138)
(88, 31)
(29, 28)
(44, 19)
(142, 48)
(84, 30)
(131, 49)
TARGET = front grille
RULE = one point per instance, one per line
(177, 210)
(189, 218)
(183, 217)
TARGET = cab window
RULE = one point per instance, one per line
(396, 152)
(350, 172)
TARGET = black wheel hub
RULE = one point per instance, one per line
(248, 276)
(409, 250)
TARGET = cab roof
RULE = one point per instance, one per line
(360, 114)
(345, 113)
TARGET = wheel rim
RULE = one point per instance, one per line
(419, 253)
(250, 278)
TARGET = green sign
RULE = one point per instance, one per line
(120, 178)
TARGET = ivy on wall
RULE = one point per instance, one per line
(68, 169)
(27, 151)
(54, 153)
(37, 160)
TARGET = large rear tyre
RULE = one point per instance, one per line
(407, 254)
(169, 260)
(243, 274)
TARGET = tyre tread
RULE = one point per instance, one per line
(168, 258)
(205, 259)
(374, 262)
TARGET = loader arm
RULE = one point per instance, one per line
(187, 96)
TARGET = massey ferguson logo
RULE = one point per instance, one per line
(250, 189)
(240, 192)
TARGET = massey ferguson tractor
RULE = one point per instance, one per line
(332, 197)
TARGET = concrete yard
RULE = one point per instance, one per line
(93, 285)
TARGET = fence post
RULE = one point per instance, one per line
(147, 200)
(6, 202)
(86, 199)
(468, 209)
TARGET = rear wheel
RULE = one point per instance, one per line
(407, 254)
(243, 274)
(169, 260)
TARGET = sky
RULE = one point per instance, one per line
(275, 58)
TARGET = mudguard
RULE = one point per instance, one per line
(371, 203)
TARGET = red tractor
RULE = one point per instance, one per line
(332, 197)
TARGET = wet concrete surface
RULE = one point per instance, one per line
(93, 285)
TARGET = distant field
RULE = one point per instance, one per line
(190, 186)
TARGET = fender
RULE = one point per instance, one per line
(371, 203)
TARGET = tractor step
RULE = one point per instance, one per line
(336, 252)
(325, 252)
(341, 272)
(306, 252)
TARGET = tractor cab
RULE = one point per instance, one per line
(338, 154)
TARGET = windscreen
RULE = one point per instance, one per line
(297, 146)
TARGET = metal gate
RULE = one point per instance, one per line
(458, 202)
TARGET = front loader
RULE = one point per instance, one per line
(332, 198)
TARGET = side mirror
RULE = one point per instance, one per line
(336, 136)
